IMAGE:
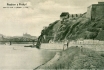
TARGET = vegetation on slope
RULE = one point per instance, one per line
(74, 28)
(77, 58)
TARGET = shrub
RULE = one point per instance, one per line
(93, 29)
(102, 55)
(93, 35)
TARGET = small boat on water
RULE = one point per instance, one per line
(30, 46)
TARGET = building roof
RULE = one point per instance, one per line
(100, 2)
(64, 14)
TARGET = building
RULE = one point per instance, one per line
(29, 36)
(64, 16)
(75, 15)
(95, 11)
(26, 35)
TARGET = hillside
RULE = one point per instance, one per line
(74, 28)
(75, 58)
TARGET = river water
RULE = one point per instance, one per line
(18, 57)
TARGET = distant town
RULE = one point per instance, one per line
(17, 39)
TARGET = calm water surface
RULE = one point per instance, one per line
(18, 57)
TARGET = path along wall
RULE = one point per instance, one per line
(92, 44)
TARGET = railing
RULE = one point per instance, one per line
(92, 44)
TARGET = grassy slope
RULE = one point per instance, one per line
(73, 58)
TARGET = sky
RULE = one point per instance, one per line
(40, 13)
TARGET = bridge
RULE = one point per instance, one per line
(11, 42)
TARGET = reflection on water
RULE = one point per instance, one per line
(17, 56)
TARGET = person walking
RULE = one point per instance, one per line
(65, 44)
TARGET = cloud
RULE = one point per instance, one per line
(51, 7)
(39, 14)
(28, 3)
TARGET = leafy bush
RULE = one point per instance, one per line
(93, 35)
(102, 55)
(93, 29)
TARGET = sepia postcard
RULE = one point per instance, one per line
(51, 34)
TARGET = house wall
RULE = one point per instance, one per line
(89, 9)
(64, 17)
(74, 15)
(99, 11)
(95, 11)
